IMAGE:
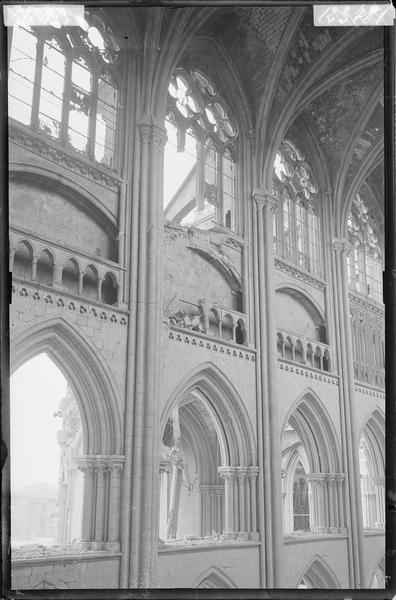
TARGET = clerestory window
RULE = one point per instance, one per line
(296, 225)
(200, 155)
(365, 259)
(62, 83)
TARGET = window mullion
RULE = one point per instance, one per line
(92, 116)
(66, 100)
(293, 237)
(37, 83)
(220, 217)
(200, 174)
(309, 251)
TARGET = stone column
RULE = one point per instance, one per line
(113, 535)
(350, 442)
(100, 282)
(379, 483)
(80, 283)
(242, 529)
(11, 262)
(86, 465)
(252, 473)
(228, 474)
(140, 502)
(57, 282)
(99, 470)
(270, 522)
(34, 267)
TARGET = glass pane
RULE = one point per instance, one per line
(21, 75)
(81, 77)
(52, 85)
(180, 159)
(210, 166)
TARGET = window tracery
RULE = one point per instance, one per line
(296, 225)
(365, 259)
(201, 146)
(62, 83)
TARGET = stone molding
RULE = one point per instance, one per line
(294, 271)
(341, 246)
(264, 199)
(46, 148)
(366, 305)
(370, 391)
(67, 302)
(201, 341)
(312, 373)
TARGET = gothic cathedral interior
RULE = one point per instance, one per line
(196, 212)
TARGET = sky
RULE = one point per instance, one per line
(36, 389)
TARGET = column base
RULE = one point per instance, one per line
(112, 546)
(229, 535)
(95, 546)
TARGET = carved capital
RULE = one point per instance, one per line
(341, 246)
(263, 199)
(151, 131)
(227, 473)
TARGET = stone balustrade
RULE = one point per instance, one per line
(301, 349)
(211, 319)
(34, 259)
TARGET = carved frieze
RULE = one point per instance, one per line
(47, 149)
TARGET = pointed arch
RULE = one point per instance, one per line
(319, 575)
(223, 403)
(310, 420)
(88, 375)
(372, 470)
(214, 577)
(378, 576)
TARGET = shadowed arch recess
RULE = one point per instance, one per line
(88, 376)
(310, 420)
(229, 415)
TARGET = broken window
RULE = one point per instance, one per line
(61, 82)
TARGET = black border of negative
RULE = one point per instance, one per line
(390, 338)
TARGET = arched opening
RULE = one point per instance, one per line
(109, 289)
(309, 355)
(313, 486)
(318, 576)
(378, 578)
(208, 483)
(200, 166)
(318, 358)
(297, 313)
(192, 493)
(71, 276)
(101, 443)
(23, 261)
(45, 268)
(279, 344)
(372, 471)
(227, 328)
(214, 321)
(298, 352)
(295, 493)
(326, 361)
(240, 332)
(90, 283)
(289, 348)
(214, 578)
(46, 440)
